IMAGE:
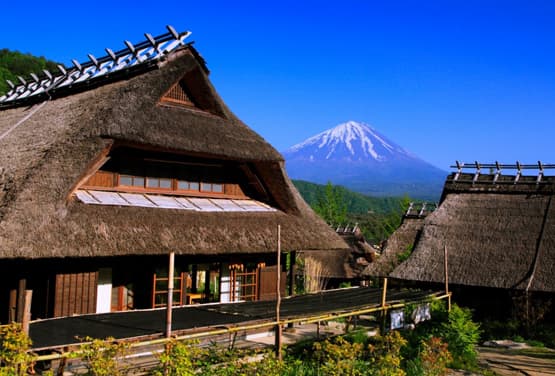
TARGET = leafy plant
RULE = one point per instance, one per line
(15, 360)
(434, 357)
(462, 335)
(403, 256)
(338, 357)
(385, 354)
(101, 356)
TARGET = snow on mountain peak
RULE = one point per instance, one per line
(360, 140)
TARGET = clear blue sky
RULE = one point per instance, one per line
(447, 80)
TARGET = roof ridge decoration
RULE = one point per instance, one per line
(496, 168)
(420, 209)
(143, 54)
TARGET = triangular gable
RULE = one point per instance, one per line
(177, 94)
(192, 91)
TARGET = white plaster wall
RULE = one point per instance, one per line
(104, 291)
(225, 284)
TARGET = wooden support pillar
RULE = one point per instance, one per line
(207, 284)
(20, 299)
(194, 269)
(446, 270)
(292, 271)
(278, 329)
(62, 364)
(27, 311)
(12, 314)
(169, 305)
(383, 307)
(384, 292)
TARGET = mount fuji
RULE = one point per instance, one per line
(358, 157)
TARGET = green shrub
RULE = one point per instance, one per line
(434, 357)
(14, 345)
(358, 336)
(385, 354)
(101, 356)
(338, 357)
(462, 335)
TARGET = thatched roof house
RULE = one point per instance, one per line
(401, 242)
(343, 265)
(498, 231)
(136, 154)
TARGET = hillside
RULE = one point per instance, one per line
(15, 63)
(356, 203)
(377, 217)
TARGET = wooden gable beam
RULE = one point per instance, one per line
(92, 168)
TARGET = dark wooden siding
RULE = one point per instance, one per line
(75, 293)
(268, 283)
(101, 179)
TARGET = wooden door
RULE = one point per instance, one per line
(268, 283)
(75, 293)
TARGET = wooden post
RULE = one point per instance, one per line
(62, 364)
(384, 292)
(278, 296)
(292, 271)
(383, 311)
(445, 268)
(27, 311)
(169, 305)
(20, 299)
(12, 314)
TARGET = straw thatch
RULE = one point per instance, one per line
(400, 242)
(496, 235)
(345, 263)
(44, 156)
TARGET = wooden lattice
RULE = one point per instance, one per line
(177, 94)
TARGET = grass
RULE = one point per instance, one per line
(535, 352)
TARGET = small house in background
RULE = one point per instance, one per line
(400, 244)
(108, 166)
(324, 269)
(495, 232)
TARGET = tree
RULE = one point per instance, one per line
(330, 205)
(15, 63)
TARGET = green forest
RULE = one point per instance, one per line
(15, 63)
(377, 217)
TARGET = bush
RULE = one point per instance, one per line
(385, 354)
(462, 335)
(101, 356)
(338, 357)
(14, 344)
(434, 357)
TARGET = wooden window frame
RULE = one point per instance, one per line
(177, 189)
(133, 177)
(247, 290)
(170, 188)
(174, 188)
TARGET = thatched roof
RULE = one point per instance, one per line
(400, 242)
(47, 147)
(334, 263)
(499, 235)
(345, 263)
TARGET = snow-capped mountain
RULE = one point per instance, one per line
(358, 157)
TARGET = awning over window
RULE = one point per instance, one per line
(170, 202)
